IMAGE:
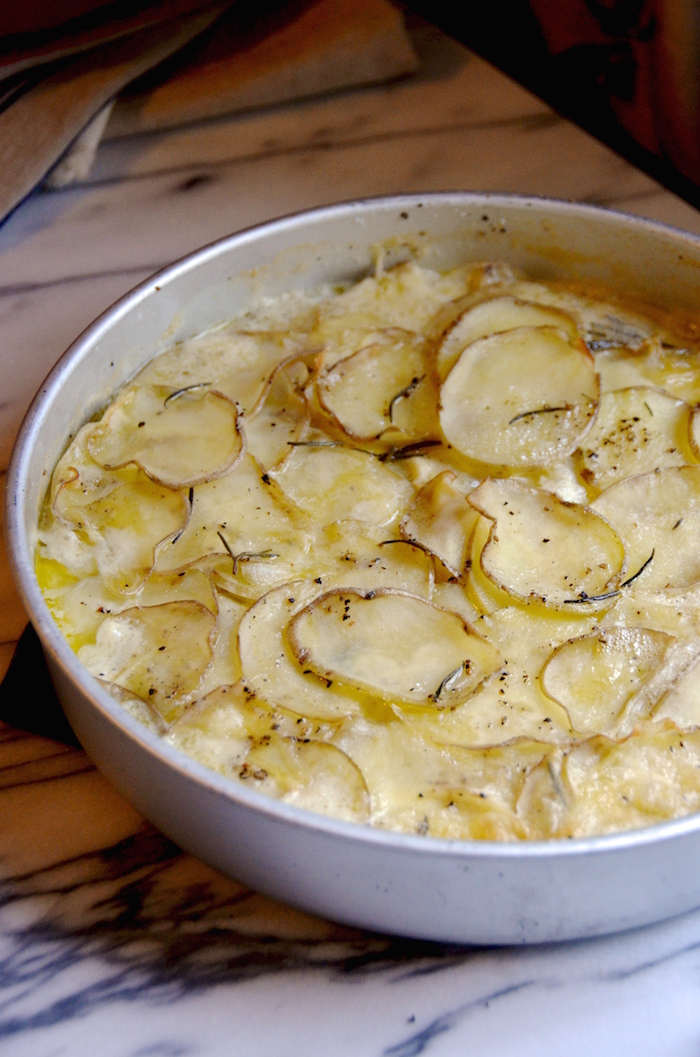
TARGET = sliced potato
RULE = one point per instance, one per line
(178, 437)
(441, 520)
(225, 667)
(242, 514)
(644, 779)
(510, 704)
(595, 676)
(216, 731)
(507, 706)
(281, 418)
(310, 774)
(602, 324)
(636, 430)
(159, 653)
(657, 514)
(675, 370)
(493, 316)
(221, 727)
(521, 398)
(83, 604)
(269, 668)
(543, 804)
(271, 751)
(418, 786)
(381, 385)
(681, 702)
(236, 362)
(352, 557)
(543, 550)
(405, 295)
(123, 519)
(392, 644)
(330, 483)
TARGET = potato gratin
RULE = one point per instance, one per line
(422, 553)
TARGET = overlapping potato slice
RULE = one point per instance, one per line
(272, 751)
(493, 316)
(695, 431)
(178, 437)
(681, 703)
(441, 520)
(236, 362)
(405, 295)
(240, 515)
(381, 385)
(123, 519)
(636, 430)
(521, 398)
(510, 704)
(647, 778)
(225, 667)
(310, 774)
(391, 644)
(281, 418)
(351, 558)
(604, 786)
(543, 804)
(217, 730)
(655, 363)
(159, 653)
(343, 555)
(595, 676)
(221, 726)
(453, 595)
(543, 550)
(80, 606)
(269, 668)
(332, 483)
(657, 516)
(602, 324)
(419, 786)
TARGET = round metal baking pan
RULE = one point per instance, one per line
(456, 891)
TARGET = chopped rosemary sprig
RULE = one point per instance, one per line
(583, 597)
(410, 388)
(316, 444)
(244, 556)
(226, 545)
(640, 570)
(411, 543)
(540, 411)
(408, 451)
(185, 389)
(445, 684)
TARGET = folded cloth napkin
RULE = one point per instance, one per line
(286, 49)
(304, 50)
(43, 114)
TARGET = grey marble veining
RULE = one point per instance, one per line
(133, 941)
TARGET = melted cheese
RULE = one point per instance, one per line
(420, 554)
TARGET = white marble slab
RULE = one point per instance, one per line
(111, 940)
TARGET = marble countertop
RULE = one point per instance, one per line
(112, 940)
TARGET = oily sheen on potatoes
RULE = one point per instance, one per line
(420, 553)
